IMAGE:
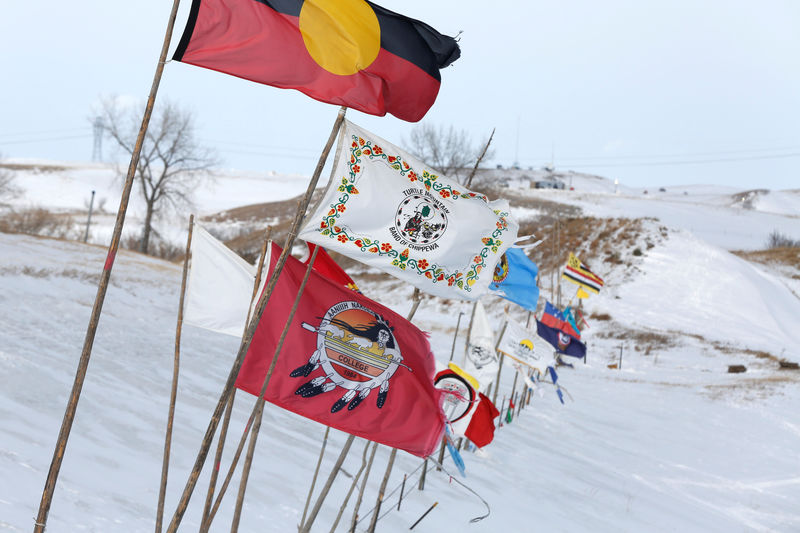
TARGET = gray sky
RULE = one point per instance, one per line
(635, 90)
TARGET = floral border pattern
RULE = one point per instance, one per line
(404, 260)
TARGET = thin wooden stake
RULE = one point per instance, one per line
(324, 493)
(354, 521)
(314, 479)
(248, 336)
(423, 515)
(174, 391)
(352, 487)
(402, 489)
(376, 513)
(86, 353)
(441, 455)
(223, 432)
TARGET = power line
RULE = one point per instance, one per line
(51, 139)
(41, 132)
(684, 162)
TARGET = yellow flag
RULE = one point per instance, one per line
(582, 293)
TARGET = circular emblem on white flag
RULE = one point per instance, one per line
(419, 220)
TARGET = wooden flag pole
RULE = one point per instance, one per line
(352, 487)
(257, 424)
(307, 526)
(480, 158)
(83, 363)
(174, 391)
(314, 478)
(223, 432)
(354, 521)
(248, 336)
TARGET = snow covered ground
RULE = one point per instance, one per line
(669, 442)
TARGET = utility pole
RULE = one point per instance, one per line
(97, 149)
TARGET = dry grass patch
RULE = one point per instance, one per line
(788, 256)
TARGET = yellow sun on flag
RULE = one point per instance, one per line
(342, 36)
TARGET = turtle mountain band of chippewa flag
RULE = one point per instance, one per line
(385, 208)
(347, 362)
(346, 52)
(578, 273)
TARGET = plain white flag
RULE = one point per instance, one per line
(220, 286)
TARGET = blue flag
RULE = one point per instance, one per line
(563, 343)
(515, 279)
(569, 316)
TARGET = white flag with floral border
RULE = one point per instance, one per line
(392, 212)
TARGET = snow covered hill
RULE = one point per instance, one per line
(669, 442)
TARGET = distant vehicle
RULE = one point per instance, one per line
(662, 189)
(548, 184)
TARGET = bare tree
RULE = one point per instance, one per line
(447, 150)
(172, 162)
(8, 189)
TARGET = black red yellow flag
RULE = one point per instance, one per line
(345, 52)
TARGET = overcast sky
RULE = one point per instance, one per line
(635, 90)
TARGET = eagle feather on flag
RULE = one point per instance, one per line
(345, 52)
(578, 273)
(390, 211)
(347, 362)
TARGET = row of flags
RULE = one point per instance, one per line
(343, 343)
(350, 362)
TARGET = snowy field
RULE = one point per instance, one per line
(669, 442)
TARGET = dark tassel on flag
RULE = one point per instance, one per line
(382, 398)
(303, 371)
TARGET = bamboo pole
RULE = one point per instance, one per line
(258, 409)
(354, 521)
(316, 473)
(352, 487)
(248, 336)
(223, 432)
(174, 391)
(257, 425)
(86, 353)
(306, 527)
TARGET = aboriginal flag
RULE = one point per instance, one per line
(346, 52)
